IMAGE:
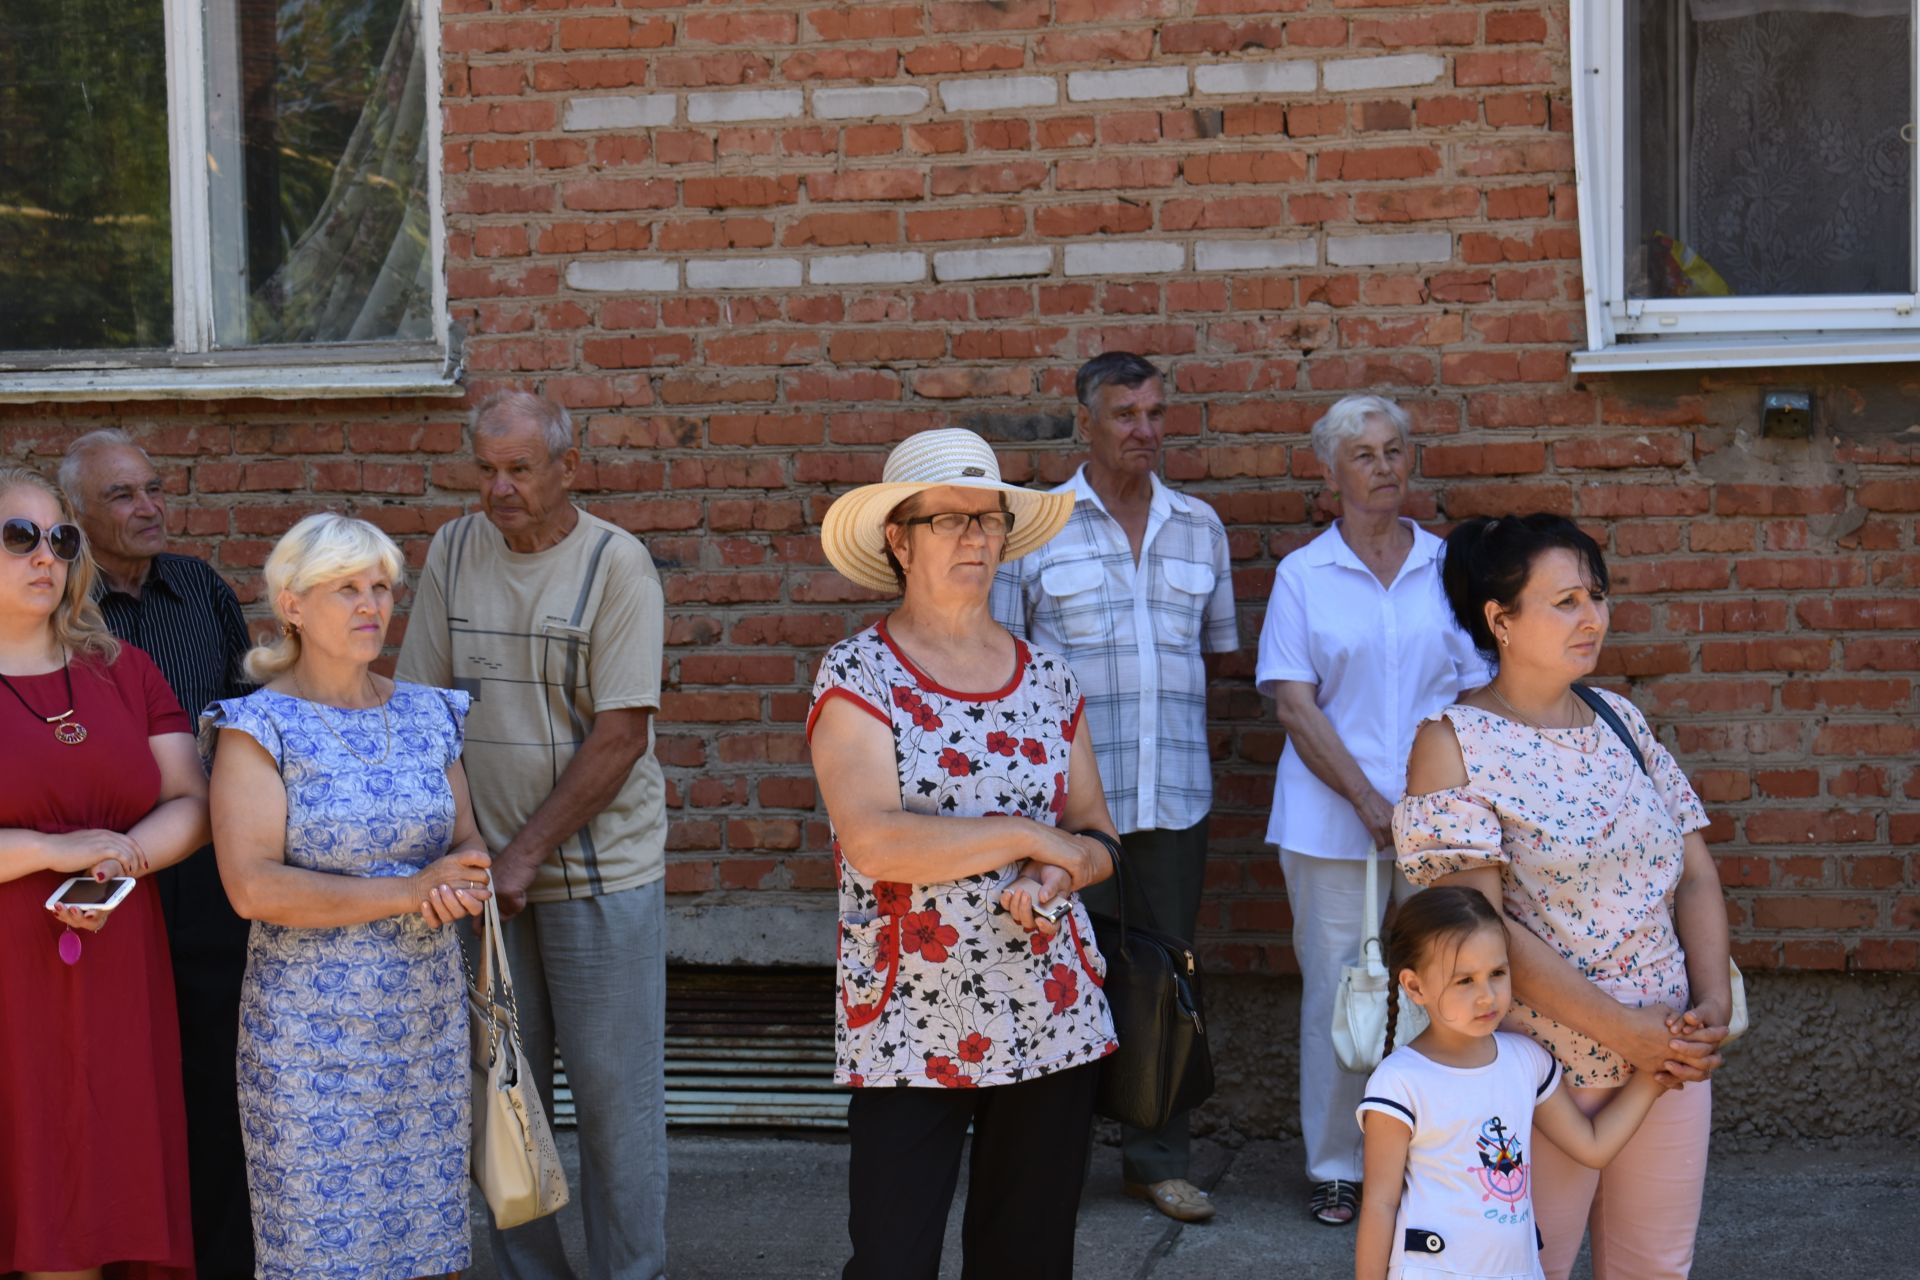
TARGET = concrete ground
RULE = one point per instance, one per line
(774, 1208)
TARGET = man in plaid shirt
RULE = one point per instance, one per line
(1133, 592)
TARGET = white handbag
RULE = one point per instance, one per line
(514, 1157)
(1360, 1005)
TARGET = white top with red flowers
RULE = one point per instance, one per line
(938, 985)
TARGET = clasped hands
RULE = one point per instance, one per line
(1678, 1047)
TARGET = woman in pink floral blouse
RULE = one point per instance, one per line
(1617, 930)
(955, 767)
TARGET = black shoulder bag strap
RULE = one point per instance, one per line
(1614, 722)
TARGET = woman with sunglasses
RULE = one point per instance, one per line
(964, 798)
(101, 781)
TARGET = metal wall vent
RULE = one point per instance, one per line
(746, 1048)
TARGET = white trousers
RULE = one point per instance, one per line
(1328, 897)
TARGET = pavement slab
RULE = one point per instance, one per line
(773, 1207)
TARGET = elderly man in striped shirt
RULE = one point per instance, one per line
(1136, 591)
(185, 617)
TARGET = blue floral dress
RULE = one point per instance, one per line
(354, 1066)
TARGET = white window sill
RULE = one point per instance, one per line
(308, 382)
(1750, 352)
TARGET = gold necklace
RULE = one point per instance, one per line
(385, 726)
(1541, 729)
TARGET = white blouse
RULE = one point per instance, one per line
(1381, 660)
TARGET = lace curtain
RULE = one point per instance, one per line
(363, 268)
(1798, 179)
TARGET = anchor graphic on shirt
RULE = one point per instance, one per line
(1503, 1170)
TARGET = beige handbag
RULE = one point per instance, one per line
(514, 1158)
(1360, 1004)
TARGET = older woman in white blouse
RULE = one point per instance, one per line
(1358, 647)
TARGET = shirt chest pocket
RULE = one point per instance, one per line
(1190, 586)
(1078, 601)
(561, 651)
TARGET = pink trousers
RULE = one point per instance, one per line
(1643, 1209)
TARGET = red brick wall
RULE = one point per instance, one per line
(1767, 617)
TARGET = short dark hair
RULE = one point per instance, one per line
(1491, 559)
(1115, 368)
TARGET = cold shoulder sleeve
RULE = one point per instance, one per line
(247, 715)
(1443, 832)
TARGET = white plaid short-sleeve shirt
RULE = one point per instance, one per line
(1134, 636)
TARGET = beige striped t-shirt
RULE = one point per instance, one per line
(544, 642)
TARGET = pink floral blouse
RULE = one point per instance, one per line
(938, 985)
(1589, 850)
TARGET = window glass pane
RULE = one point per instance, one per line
(1764, 153)
(318, 171)
(85, 258)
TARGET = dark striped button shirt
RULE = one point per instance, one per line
(188, 621)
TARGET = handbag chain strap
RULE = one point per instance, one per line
(493, 964)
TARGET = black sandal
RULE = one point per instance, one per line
(1334, 1203)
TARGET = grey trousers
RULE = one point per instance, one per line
(592, 973)
(1166, 870)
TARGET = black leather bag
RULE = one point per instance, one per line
(1154, 988)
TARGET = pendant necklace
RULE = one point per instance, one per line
(66, 730)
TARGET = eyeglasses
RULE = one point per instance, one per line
(951, 524)
(22, 537)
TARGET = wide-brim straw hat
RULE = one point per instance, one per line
(854, 532)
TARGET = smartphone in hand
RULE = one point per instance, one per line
(93, 895)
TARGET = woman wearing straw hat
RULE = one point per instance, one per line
(966, 810)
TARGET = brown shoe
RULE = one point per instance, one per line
(1175, 1197)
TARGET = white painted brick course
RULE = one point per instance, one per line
(999, 93)
(1252, 255)
(992, 264)
(1134, 82)
(746, 104)
(1125, 258)
(846, 104)
(620, 112)
(1294, 76)
(1389, 250)
(743, 273)
(1394, 72)
(868, 268)
(624, 275)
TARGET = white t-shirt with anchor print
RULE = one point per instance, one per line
(1468, 1192)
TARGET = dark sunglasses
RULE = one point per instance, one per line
(21, 537)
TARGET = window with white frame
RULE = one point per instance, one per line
(228, 197)
(1746, 181)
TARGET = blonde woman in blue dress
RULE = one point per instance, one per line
(344, 831)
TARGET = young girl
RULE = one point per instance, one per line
(1449, 1119)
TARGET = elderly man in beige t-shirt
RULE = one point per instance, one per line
(553, 620)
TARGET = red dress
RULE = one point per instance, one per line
(93, 1134)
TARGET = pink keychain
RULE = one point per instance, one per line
(70, 946)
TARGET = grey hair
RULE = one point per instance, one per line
(1349, 417)
(503, 408)
(105, 438)
(1122, 368)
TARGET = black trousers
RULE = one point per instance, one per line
(1029, 1163)
(209, 944)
